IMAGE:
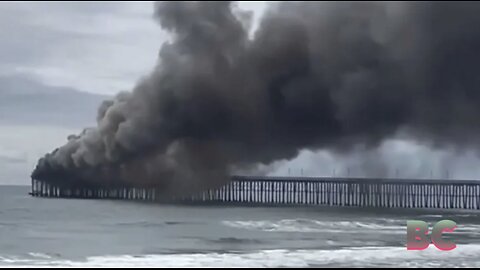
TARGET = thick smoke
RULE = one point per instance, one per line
(329, 75)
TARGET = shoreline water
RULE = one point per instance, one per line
(56, 232)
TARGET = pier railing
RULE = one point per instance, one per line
(354, 192)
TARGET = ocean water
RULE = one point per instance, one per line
(94, 233)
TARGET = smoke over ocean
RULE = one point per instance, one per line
(329, 76)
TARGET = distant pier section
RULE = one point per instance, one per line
(326, 191)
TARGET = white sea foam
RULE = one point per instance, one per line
(309, 225)
(463, 256)
(312, 226)
(434, 216)
(40, 255)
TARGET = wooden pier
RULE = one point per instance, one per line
(327, 191)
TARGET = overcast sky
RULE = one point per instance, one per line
(99, 47)
(86, 51)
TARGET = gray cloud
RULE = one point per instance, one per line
(79, 44)
(9, 159)
(24, 101)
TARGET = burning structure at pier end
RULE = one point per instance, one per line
(314, 75)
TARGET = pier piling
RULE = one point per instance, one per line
(327, 191)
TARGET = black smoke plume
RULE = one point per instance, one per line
(328, 75)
